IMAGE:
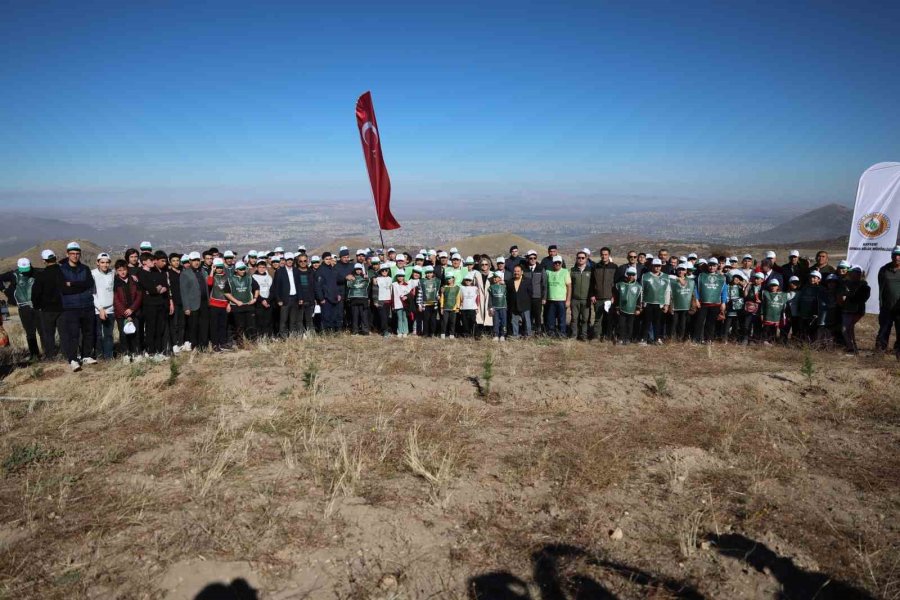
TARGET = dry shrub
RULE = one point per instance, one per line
(434, 460)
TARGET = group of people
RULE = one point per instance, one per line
(164, 303)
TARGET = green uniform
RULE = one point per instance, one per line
(655, 289)
(24, 284)
(358, 287)
(709, 288)
(628, 296)
(406, 271)
(430, 288)
(497, 295)
(449, 296)
(735, 299)
(681, 294)
(220, 284)
(242, 287)
(773, 307)
(556, 284)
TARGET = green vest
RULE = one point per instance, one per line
(556, 284)
(774, 306)
(709, 286)
(242, 287)
(655, 288)
(628, 296)
(218, 287)
(497, 292)
(430, 289)
(406, 271)
(735, 299)
(358, 287)
(23, 289)
(681, 295)
(449, 293)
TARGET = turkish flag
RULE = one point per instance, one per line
(378, 175)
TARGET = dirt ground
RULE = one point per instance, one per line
(363, 468)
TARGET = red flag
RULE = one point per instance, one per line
(378, 175)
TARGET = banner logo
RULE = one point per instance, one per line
(874, 225)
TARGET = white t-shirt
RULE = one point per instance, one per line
(469, 296)
(384, 288)
(400, 290)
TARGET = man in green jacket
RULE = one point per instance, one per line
(581, 296)
(657, 296)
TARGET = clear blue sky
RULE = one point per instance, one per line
(785, 102)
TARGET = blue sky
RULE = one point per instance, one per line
(767, 102)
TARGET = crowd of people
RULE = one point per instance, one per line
(166, 303)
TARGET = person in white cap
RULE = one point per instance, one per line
(358, 299)
(146, 246)
(558, 297)
(47, 300)
(809, 303)
(682, 300)
(104, 279)
(656, 296)
(77, 329)
(631, 258)
(712, 296)
(287, 294)
(468, 295)
(580, 303)
(20, 292)
(626, 302)
(547, 261)
(795, 267)
(747, 266)
(497, 305)
(194, 303)
(889, 303)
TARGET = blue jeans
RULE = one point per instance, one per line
(499, 322)
(516, 322)
(556, 317)
(402, 322)
(105, 344)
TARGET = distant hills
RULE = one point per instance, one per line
(89, 252)
(824, 223)
(495, 244)
(21, 231)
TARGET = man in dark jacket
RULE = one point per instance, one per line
(632, 261)
(195, 303)
(154, 285)
(794, 267)
(518, 301)
(535, 276)
(547, 261)
(77, 320)
(47, 300)
(603, 278)
(889, 303)
(329, 294)
(286, 294)
(514, 259)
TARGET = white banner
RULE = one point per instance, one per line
(876, 220)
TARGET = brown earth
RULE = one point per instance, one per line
(363, 468)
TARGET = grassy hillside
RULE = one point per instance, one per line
(89, 252)
(495, 244)
(358, 468)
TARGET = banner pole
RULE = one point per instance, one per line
(381, 235)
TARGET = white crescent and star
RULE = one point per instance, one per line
(367, 126)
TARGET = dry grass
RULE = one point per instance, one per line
(397, 469)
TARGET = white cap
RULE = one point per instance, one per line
(195, 255)
(531, 253)
(279, 250)
(702, 261)
(794, 253)
(240, 265)
(391, 250)
(45, 254)
(500, 259)
(734, 259)
(682, 259)
(557, 259)
(656, 262)
(432, 252)
(228, 254)
(420, 256)
(586, 251)
(498, 274)
(23, 263)
(103, 255)
(401, 256)
(315, 258)
(418, 269)
(218, 262)
(360, 251)
(358, 266)
(470, 275)
(342, 248)
(713, 261)
(390, 264)
(301, 248)
(252, 253)
(73, 246)
(682, 265)
(692, 255)
(469, 260)
(770, 254)
(145, 245)
(184, 258)
(442, 254)
(737, 273)
(815, 274)
(454, 250)
(429, 268)
(843, 265)
(746, 256)
(794, 278)
(631, 271)
(289, 256)
(456, 256)
(759, 275)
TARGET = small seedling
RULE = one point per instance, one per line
(487, 374)
(138, 370)
(174, 371)
(36, 371)
(311, 377)
(661, 381)
(22, 456)
(808, 368)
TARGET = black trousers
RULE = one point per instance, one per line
(307, 317)
(29, 318)
(244, 322)
(218, 326)
(196, 327)
(77, 332)
(626, 327)
(263, 320)
(468, 322)
(290, 317)
(604, 322)
(537, 316)
(155, 319)
(384, 318)
(679, 325)
(359, 315)
(176, 327)
(130, 343)
(49, 323)
(652, 319)
(705, 323)
(448, 322)
(430, 325)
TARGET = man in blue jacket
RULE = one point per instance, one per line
(77, 287)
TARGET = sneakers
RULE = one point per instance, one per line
(186, 347)
(642, 343)
(496, 339)
(443, 336)
(176, 349)
(503, 339)
(89, 361)
(75, 366)
(452, 337)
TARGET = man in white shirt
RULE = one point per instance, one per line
(104, 277)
